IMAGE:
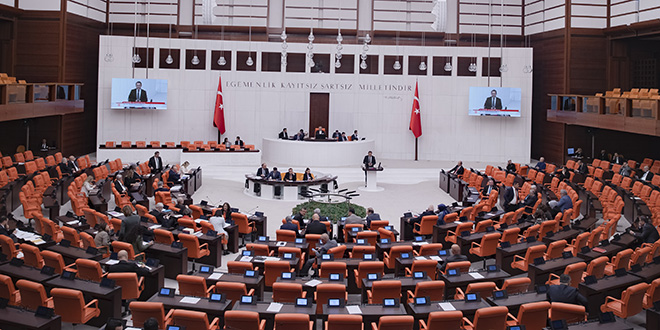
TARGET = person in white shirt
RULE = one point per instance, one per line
(218, 223)
(87, 186)
(183, 169)
(511, 197)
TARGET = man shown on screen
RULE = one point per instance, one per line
(137, 94)
(493, 102)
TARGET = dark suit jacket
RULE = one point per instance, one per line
(649, 176)
(458, 170)
(160, 217)
(372, 217)
(308, 177)
(127, 267)
(155, 167)
(132, 96)
(355, 138)
(129, 180)
(530, 200)
(72, 167)
(511, 167)
(299, 217)
(65, 169)
(366, 162)
(485, 192)
(508, 195)
(453, 258)
(583, 169)
(290, 176)
(618, 160)
(290, 226)
(284, 135)
(275, 175)
(320, 134)
(127, 225)
(565, 294)
(239, 143)
(419, 218)
(336, 135)
(649, 234)
(489, 103)
(261, 171)
(119, 188)
(4, 231)
(316, 227)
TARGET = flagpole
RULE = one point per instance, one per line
(416, 138)
(416, 148)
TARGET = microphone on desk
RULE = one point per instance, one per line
(210, 201)
(250, 212)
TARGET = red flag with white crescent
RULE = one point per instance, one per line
(415, 116)
(219, 113)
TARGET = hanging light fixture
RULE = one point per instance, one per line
(422, 63)
(365, 49)
(108, 55)
(136, 57)
(195, 59)
(473, 39)
(448, 67)
(249, 61)
(169, 60)
(283, 36)
(310, 44)
(340, 38)
(397, 65)
(503, 66)
(221, 60)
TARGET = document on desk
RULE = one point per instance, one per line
(281, 244)
(246, 259)
(189, 300)
(274, 307)
(419, 243)
(215, 276)
(112, 262)
(476, 275)
(420, 258)
(155, 227)
(73, 223)
(446, 306)
(436, 258)
(313, 283)
(115, 214)
(353, 309)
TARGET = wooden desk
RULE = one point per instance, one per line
(152, 282)
(648, 273)
(618, 325)
(310, 289)
(370, 313)
(504, 256)
(457, 189)
(586, 224)
(256, 283)
(406, 229)
(468, 308)
(260, 261)
(610, 250)
(211, 309)
(109, 299)
(466, 242)
(215, 248)
(50, 202)
(264, 314)
(625, 240)
(567, 235)
(652, 319)
(444, 181)
(514, 301)
(402, 264)
(70, 254)
(407, 283)
(380, 248)
(232, 239)
(174, 260)
(462, 280)
(275, 245)
(607, 286)
(25, 273)
(13, 318)
(540, 274)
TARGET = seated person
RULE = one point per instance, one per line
(336, 135)
(647, 175)
(174, 176)
(511, 197)
(103, 233)
(562, 205)
(418, 219)
(510, 166)
(119, 185)
(127, 266)
(353, 218)
(455, 256)
(530, 200)
(162, 217)
(183, 169)
(64, 167)
(644, 231)
(618, 159)
(578, 154)
(325, 245)
(161, 187)
(307, 176)
(320, 133)
(239, 142)
(582, 168)
(275, 175)
(262, 171)
(443, 210)
(289, 225)
(183, 208)
(625, 170)
(355, 136)
(371, 216)
(300, 135)
(284, 135)
(563, 174)
(565, 293)
(218, 223)
(488, 188)
(132, 178)
(321, 218)
(315, 226)
(290, 176)
(4, 228)
(227, 143)
(300, 216)
(541, 164)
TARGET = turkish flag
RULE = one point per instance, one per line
(415, 116)
(219, 110)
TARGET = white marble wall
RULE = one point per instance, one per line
(383, 115)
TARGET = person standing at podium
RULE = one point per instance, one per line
(458, 169)
(369, 160)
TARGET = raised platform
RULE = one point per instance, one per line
(178, 156)
(300, 154)
(281, 190)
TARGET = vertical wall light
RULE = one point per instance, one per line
(136, 57)
(249, 61)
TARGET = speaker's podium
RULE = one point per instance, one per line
(371, 179)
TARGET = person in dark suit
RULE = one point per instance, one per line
(603, 155)
(563, 174)
(320, 133)
(289, 225)
(647, 175)
(130, 220)
(369, 160)
(137, 94)
(530, 200)
(488, 188)
(263, 171)
(4, 229)
(418, 219)
(73, 167)
(132, 178)
(239, 142)
(174, 176)
(454, 257)
(290, 176)
(64, 167)
(300, 135)
(355, 136)
(300, 216)
(336, 135)
(161, 187)
(315, 226)
(458, 169)
(307, 176)
(275, 175)
(127, 266)
(565, 293)
(618, 159)
(283, 134)
(578, 154)
(343, 137)
(645, 231)
(510, 166)
(541, 164)
(493, 102)
(371, 216)
(156, 163)
(511, 197)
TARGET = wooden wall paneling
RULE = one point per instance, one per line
(588, 64)
(38, 49)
